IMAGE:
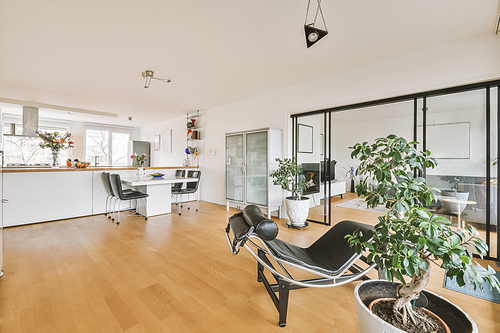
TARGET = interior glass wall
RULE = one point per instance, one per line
(456, 136)
(494, 237)
(459, 125)
(313, 152)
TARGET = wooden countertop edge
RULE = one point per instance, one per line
(15, 170)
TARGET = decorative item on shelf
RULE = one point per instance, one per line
(55, 142)
(185, 162)
(68, 162)
(351, 174)
(288, 176)
(191, 150)
(408, 239)
(191, 123)
(138, 161)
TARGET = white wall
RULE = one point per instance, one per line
(463, 62)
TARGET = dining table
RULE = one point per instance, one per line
(159, 189)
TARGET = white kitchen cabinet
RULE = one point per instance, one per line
(250, 159)
(38, 197)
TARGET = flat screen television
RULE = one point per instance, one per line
(328, 174)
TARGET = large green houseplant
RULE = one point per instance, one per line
(288, 175)
(409, 239)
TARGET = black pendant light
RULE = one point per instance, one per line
(313, 33)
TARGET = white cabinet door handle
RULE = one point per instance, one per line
(5, 200)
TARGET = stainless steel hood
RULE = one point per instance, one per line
(30, 121)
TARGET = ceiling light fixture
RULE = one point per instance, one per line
(148, 75)
(313, 33)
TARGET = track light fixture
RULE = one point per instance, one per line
(313, 33)
(148, 75)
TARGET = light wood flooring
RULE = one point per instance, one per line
(168, 274)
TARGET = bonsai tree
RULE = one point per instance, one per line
(408, 239)
(288, 176)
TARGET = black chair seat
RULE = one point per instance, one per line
(330, 254)
(134, 195)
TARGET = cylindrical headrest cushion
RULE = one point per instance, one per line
(265, 228)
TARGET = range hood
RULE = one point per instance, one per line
(30, 123)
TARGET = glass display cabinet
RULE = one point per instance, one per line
(250, 159)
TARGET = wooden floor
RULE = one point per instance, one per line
(168, 274)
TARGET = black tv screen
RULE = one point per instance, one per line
(328, 174)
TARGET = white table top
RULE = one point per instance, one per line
(148, 180)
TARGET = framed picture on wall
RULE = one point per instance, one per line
(305, 135)
(156, 142)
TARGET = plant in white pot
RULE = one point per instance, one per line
(409, 239)
(289, 176)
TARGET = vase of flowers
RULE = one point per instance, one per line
(55, 142)
(351, 174)
(138, 161)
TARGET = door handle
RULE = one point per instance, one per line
(5, 200)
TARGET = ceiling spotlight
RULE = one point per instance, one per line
(313, 36)
(313, 33)
(148, 75)
(129, 118)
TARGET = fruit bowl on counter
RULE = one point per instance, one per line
(157, 175)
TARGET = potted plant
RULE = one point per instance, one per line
(409, 239)
(289, 177)
(139, 161)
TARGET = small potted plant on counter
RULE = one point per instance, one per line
(289, 177)
(139, 161)
(408, 240)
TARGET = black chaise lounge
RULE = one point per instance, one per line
(330, 257)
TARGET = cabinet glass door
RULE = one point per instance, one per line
(234, 167)
(256, 166)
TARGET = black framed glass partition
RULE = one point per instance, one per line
(459, 125)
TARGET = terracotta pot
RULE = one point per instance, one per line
(367, 291)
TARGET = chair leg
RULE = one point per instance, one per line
(117, 211)
(180, 206)
(106, 211)
(283, 300)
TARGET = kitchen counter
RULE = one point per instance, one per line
(90, 168)
(48, 194)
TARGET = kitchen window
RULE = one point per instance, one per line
(25, 150)
(107, 145)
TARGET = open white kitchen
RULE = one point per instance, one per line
(46, 194)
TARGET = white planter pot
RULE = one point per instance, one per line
(297, 210)
(367, 291)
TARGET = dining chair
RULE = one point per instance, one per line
(116, 185)
(191, 188)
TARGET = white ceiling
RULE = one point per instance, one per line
(89, 55)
